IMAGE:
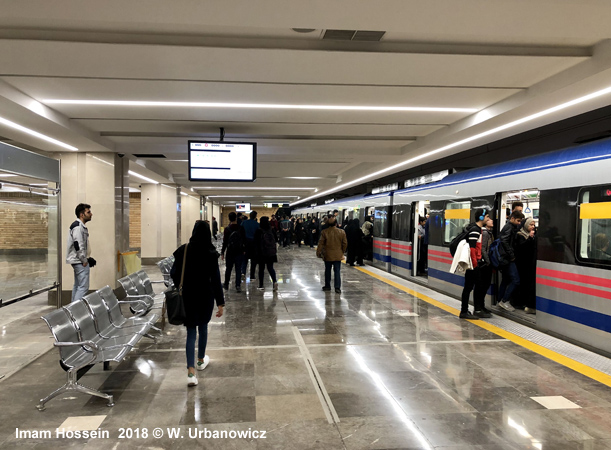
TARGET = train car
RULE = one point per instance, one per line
(567, 193)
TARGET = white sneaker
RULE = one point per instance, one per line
(201, 365)
(243, 278)
(528, 310)
(506, 306)
(275, 286)
(260, 288)
(191, 380)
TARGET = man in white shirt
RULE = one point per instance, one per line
(79, 251)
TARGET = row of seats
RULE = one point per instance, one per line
(94, 330)
(165, 266)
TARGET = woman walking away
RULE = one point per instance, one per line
(201, 288)
(266, 251)
(299, 232)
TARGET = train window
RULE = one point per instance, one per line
(457, 216)
(381, 223)
(594, 230)
(400, 222)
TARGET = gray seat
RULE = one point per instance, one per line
(116, 316)
(105, 327)
(77, 353)
(135, 290)
(86, 327)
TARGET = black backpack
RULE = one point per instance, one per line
(461, 237)
(268, 244)
(235, 245)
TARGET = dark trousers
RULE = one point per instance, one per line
(230, 263)
(286, 237)
(270, 270)
(511, 280)
(201, 343)
(471, 279)
(337, 278)
(250, 254)
(481, 287)
(354, 254)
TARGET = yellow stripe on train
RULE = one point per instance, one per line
(595, 210)
(458, 214)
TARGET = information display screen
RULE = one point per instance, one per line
(242, 207)
(222, 161)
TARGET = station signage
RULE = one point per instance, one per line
(331, 200)
(430, 178)
(276, 205)
(386, 188)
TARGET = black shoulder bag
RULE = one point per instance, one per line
(173, 298)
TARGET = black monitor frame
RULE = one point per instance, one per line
(254, 161)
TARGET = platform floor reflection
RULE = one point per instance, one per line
(372, 367)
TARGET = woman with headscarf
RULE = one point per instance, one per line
(201, 288)
(266, 252)
(299, 232)
(526, 263)
(354, 234)
(313, 232)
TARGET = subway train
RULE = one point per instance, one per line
(567, 193)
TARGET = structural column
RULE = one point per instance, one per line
(160, 219)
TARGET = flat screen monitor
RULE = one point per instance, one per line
(222, 161)
(242, 207)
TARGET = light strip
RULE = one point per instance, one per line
(44, 137)
(255, 106)
(131, 172)
(259, 188)
(464, 141)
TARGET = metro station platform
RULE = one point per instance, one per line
(385, 364)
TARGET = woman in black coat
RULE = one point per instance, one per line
(526, 263)
(266, 251)
(201, 288)
(299, 232)
(313, 232)
(354, 234)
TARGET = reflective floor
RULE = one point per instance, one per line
(21, 273)
(372, 367)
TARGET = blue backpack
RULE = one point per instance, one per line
(494, 253)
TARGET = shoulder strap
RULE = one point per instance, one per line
(182, 274)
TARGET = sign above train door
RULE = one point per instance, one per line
(430, 178)
(387, 188)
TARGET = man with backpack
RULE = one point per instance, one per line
(266, 252)
(472, 277)
(250, 226)
(511, 278)
(285, 231)
(233, 245)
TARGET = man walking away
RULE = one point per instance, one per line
(472, 276)
(250, 226)
(331, 247)
(233, 244)
(265, 247)
(79, 251)
(215, 228)
(511, 279)
(285, 231)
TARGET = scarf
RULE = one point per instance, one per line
(524, 229)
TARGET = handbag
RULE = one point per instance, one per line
(174, 302)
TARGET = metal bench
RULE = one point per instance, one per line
(116, 316)
(136, 290)
(80, 346)
(165, 266)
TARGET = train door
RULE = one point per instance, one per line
(526, 200)
(420, 242)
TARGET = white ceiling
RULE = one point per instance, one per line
(506, 60)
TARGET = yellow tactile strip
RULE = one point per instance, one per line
(539, 349)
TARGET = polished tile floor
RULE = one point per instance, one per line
(372, 367)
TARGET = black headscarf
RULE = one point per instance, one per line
(201, 238)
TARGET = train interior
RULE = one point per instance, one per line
(420, 248)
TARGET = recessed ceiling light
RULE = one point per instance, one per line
(303, 30)
(258, 188)
(44, 137)
(506, 126)
(304, 178)
(255, 105)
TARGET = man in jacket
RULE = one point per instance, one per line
(79, 251)
(250, 226)
(331, 247)
(234, 248)
(511, 279)
(472, 277)
(215, 228)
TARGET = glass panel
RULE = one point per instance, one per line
(28, 236)
(454, 226)
(381, 222)
(595, 232)
(400, 222)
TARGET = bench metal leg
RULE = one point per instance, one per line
(150, 336)
(106, 365)
(73, 385)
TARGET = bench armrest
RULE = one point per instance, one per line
(95, 349)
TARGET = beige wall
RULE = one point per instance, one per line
(189, 214)
(159, 220)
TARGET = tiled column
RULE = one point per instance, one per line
(97, 179)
